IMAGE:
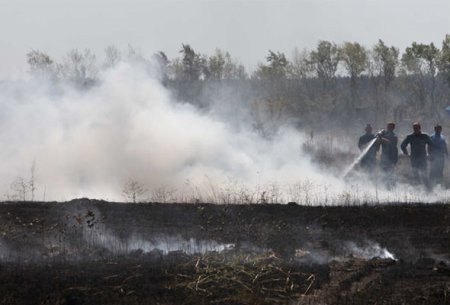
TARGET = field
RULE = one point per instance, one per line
(96, 252)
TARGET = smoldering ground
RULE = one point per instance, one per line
(70, 249)
(80, 231)
(129, 127)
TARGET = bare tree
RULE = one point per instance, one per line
(133, 190)
(20, 189)
(162, 64)
(32, 181)
(41, 65)
(80, 68)
(112, 57)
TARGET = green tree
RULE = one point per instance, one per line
(444, 59)
(420, 62)
(387, 59)
(216, 64)
(302, 71)
(301, 65)
(233, 70)
(383, 66)
(162, 64)
(222, 67)
(354, 58)
(277, 67)
(192, 64)
(325, 59)
(421, 59)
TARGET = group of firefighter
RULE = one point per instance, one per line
(422, 149)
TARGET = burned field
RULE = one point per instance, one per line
(95, 252)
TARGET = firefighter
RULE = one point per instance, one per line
(438, 153)
(418, 156)
(389, 153)
(369, 160)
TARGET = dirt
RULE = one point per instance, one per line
(95, 252)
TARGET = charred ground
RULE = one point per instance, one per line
(96, 252)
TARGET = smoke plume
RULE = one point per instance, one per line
(90, 143)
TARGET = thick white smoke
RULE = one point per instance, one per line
(90, 143)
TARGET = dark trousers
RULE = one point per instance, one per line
(419, 170)
(388, 173)
(437, 168)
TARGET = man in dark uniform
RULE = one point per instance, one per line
(418, 142)
(438, 153)
(389, 153)
(369, 160)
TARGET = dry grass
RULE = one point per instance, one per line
(251, 279)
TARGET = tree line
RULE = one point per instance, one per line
(333, 83)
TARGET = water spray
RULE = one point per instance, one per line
(362, 154)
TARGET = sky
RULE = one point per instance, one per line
(247, 29)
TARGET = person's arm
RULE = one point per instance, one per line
(376, 145)
(431, 148)
(360, 144)
(430, 145)
(381, 138)
(445, 148)
(404, 144)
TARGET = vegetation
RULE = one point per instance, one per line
(376, 83)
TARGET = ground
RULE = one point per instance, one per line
(96, 252)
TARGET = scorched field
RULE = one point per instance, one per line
(96, 252)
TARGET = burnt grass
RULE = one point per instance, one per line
(282, 254)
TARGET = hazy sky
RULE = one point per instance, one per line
(247, 29)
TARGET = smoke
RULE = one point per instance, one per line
(89, 143)
(368, 250)
(163, 243)
(346, 250)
